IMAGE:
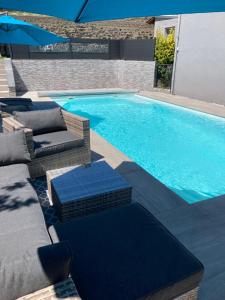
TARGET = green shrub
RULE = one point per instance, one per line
(164, 56)
(165, 47)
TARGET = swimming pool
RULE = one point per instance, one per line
(182, 148)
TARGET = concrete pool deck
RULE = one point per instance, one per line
(206, 107)
(200, 227)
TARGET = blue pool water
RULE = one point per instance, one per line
(182, 148)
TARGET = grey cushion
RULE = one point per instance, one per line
(12, 173)
(22, 233)
(10, 109)
(19, 206)
(55, 142)
(13, 148)
(42, 121)
(28, 260)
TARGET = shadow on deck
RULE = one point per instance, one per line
(200, 226)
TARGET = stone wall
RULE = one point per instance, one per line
(41, 75)
(136, 74)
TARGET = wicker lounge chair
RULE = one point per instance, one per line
(52, 145)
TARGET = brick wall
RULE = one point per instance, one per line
(41, 75)
(63, 74)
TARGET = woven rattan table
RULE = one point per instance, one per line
(79, 190)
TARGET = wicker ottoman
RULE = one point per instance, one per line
(78, 191)
(63, 290)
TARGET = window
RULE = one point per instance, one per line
(168, 30)
(75, 47)
(90, 47)
(51, 48)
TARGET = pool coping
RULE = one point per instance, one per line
(59, 93)
(210, 108)
(190, 103)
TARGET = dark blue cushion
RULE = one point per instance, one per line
(10, 105)
(16, 101)
(126, 253)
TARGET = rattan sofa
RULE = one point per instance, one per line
(29, 260)
(80, 154)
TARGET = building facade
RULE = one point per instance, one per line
(199, 69)
(165, 23)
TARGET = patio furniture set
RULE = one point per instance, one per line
(109, 247)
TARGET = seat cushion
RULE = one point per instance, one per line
(19, 205)
(28, 260)
(13, 148)
(42, 121)
(22, 232)
(126, 253)
(55, 142)
(13, 173)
